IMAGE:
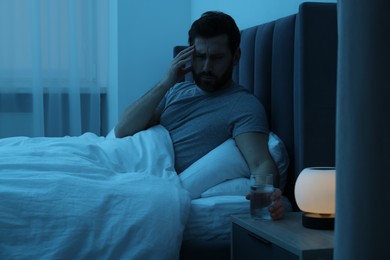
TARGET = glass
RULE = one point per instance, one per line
(261, 190)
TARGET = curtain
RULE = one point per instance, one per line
(54, 57)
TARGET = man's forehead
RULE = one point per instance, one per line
(217, 44)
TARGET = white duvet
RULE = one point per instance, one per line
(91, 197)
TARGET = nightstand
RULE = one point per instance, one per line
(282, 239)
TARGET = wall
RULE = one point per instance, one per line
(143, 34)
(249, 12)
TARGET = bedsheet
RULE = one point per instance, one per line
(210, 218)
(91, 197)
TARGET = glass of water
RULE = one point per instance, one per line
(261, 190)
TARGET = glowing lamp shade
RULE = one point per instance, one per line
(315, 194)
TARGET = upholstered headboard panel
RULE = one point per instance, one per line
(315, 79)
(266, 68)
(290, 64)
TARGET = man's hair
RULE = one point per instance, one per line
(214, 23)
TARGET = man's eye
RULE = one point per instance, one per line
(201, 56)
(217, 57)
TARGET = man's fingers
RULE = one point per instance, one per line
(187, 69)
(277, 194)
(185, 53)
(277, 209)
(180, 62)
(277, 214)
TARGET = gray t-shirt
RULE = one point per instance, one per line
(199, 121)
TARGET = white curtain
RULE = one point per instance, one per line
(53, 66)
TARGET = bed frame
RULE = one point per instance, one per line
(290, 64)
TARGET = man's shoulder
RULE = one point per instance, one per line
(244, 94)
(185, 85)
(182, 89)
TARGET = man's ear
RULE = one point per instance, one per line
(236, 56)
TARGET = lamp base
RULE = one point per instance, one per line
(318, 221)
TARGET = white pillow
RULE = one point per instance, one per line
(225, 162)
(222, 163)
(279, 153)
(111, 134)
(234, 187)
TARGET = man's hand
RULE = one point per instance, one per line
(179, 67)
(143, 113)
(277, 209)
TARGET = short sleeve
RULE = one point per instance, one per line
(249, 116)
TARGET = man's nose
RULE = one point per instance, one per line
(207, 65)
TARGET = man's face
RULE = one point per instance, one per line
(212, 64)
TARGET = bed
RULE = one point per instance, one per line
(84, 198)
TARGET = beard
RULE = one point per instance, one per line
(210, 82)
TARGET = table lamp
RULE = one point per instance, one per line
(315, 194)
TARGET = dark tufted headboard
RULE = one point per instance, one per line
(290, 64)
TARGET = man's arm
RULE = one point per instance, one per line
(143, 113)
(254, 148)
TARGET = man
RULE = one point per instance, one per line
(203, 115)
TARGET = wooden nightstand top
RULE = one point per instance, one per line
(289, 233)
